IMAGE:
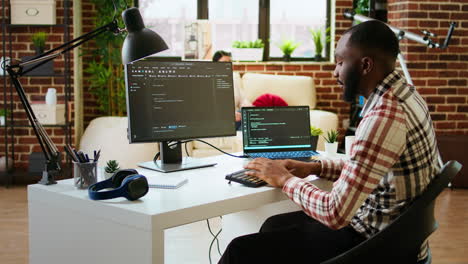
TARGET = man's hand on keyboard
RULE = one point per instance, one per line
(302, 169)
(274, 172)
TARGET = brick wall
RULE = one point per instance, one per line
(439, 75)
(90, 106)
(24, 140)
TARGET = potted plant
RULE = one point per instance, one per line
(247, 50)
(315, 132)
(3, 114)
(288, 47)
(111, 167)
(317, 36)
(331, 144)
(38, 39)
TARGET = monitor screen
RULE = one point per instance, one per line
(168, 101)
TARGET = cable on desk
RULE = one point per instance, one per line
(222, 151)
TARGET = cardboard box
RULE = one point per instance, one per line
(38, 12)
(49, 114)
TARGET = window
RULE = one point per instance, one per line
(168, 18)
(233, 20)
(230, 20)
(293, 21)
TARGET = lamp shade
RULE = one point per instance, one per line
(140, 41)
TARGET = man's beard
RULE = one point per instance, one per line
(351, 85)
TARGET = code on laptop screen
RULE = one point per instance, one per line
(276, 128)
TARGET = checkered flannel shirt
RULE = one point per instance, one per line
(393, 159)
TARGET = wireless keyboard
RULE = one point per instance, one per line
(241, 177)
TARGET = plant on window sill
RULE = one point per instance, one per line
(288, 47)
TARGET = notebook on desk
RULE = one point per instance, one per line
(277, 132)
(165, 181)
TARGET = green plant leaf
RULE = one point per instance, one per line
(38, 39)
(315, 131)
(112, 166)
(257, 44)
(288, 46)
(332, 136)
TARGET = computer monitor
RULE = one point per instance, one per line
(172, 101)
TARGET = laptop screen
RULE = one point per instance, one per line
(266, 129)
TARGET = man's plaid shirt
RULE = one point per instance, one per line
(393, 158)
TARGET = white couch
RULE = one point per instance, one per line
(110, 133)
(295, 90)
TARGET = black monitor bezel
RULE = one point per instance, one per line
(132, 140)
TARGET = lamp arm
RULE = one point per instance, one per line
(15, 70)
(62, 49)
(425, 39)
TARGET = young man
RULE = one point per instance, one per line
(393, 158)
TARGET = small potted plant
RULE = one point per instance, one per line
(331, 144)
(317, 36)
(3, 114)
(288, 47)
(111, 167)
(38, 39)
(315, 132)
(247, 50)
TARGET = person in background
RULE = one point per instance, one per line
(222, 55)
(393, 159)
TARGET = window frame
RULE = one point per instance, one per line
(264, 28)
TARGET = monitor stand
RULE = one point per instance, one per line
(171, 160)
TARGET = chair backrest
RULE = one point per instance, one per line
(401, 240)
(295, 90)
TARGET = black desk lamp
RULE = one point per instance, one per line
(139, 43)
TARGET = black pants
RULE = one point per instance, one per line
(291, 238)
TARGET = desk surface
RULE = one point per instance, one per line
(57, 212)
(207, 194)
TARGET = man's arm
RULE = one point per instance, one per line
(380, 140)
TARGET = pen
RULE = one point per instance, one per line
(70, 153)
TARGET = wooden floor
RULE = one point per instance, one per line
(449, 243)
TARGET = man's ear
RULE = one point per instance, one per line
(367, 64)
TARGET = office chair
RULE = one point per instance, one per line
(401, 240)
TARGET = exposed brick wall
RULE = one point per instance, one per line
(90, 106)
(24, 140)
(441, 76)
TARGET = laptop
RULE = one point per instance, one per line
(277, 132)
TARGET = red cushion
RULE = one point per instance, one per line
(269, 100)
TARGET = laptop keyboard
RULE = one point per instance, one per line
(301, 155)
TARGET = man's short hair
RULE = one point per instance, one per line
(374, 36)
(219, 54)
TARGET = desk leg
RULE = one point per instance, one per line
(158, 246)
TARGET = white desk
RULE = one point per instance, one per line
(65, 226)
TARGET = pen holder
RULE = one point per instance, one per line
(84, 174)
